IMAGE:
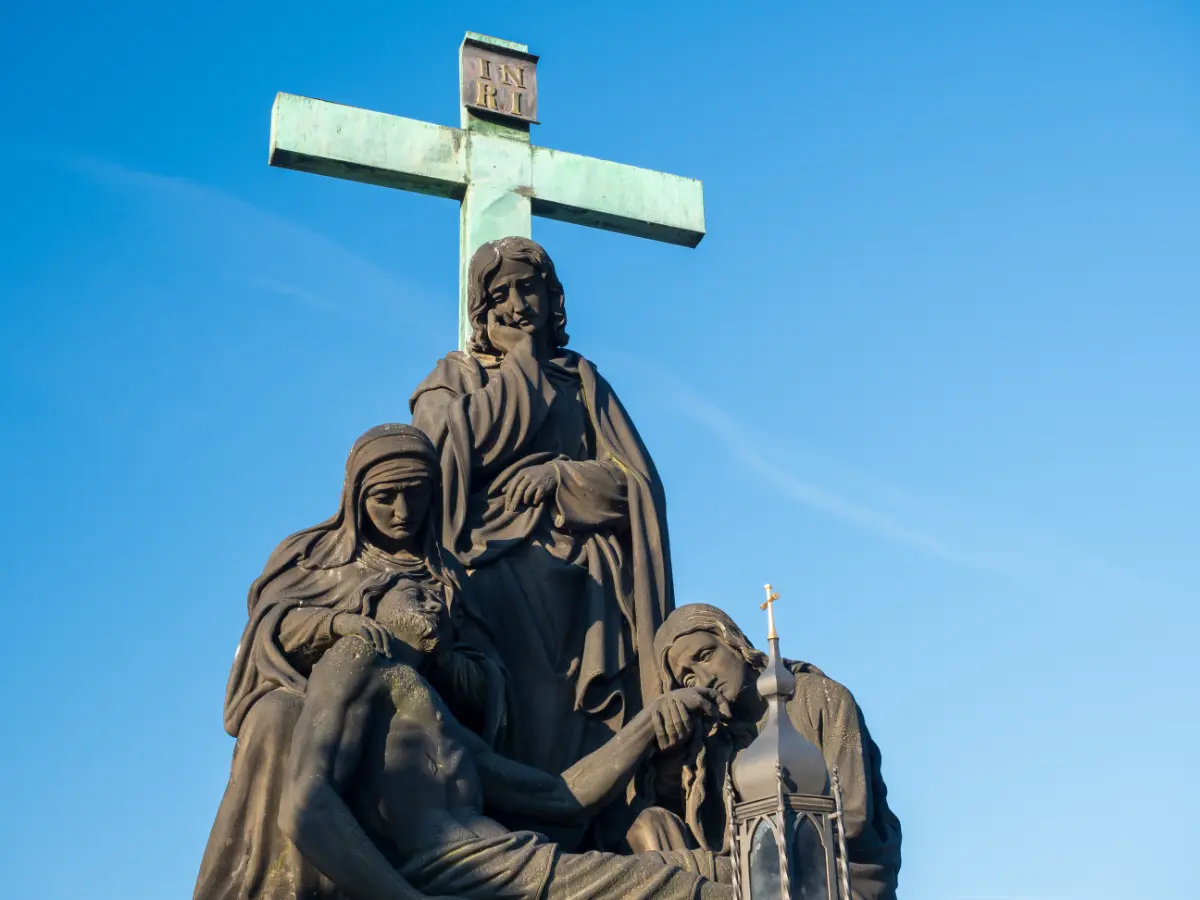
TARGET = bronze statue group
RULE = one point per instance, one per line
(472, 680)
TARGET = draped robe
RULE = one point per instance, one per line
(572, 589)
(248, 857)
(313, 576)
(826, 713)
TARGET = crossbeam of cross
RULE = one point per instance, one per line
(489, 164)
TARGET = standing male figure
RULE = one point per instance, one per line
(553, 504)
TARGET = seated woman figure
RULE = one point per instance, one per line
(310, 595)
(700, 646)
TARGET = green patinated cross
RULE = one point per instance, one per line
(488, 164)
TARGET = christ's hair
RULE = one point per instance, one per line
(409, 618)
(484, 265)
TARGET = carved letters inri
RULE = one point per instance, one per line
(500, 82)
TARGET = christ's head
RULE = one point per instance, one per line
(411, 612)
(514, 277)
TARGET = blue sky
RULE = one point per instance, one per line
(933, 372)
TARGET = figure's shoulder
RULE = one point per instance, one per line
(408, 687)
(589, 372)
(284, 570)
(457, 371)
(349, 651)
(352, 656)
(817, 690)
(815, 679)
(289, 550)
(346, 677)
(573, 359)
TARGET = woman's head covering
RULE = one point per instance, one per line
(295, 575)
(384, 453)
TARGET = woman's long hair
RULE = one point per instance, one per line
(711, 751)
(694, 617)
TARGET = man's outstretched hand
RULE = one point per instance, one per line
(674, 714)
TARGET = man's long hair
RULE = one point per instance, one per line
(485, 263)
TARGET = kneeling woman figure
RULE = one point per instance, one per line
(700, 646)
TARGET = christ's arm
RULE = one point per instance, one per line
(326, 747)
(666, 722)
(594, 781)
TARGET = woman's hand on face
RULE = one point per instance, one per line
(505, 338)
(674, 714)
(353, 625)
(531, 486)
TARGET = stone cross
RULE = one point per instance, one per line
(489, 164)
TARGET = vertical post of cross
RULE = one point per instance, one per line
(489, 165)
(499, 162)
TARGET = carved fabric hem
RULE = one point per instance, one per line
(521, 865)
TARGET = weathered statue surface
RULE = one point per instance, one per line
(553, 504)
(311, 593)
(700, 646)
(385, 790)
(480, 648)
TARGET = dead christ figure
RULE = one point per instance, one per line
(384, 790)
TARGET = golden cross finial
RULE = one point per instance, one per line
(769, 606)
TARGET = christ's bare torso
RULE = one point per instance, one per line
(414, 778)
(385, 785)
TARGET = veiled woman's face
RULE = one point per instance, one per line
(701, 659)
(396, 509)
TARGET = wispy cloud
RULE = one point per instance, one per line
(891, 513)
(745, 445)
(262, 249)
(290, 291)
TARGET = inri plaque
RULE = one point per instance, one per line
(499, 81)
